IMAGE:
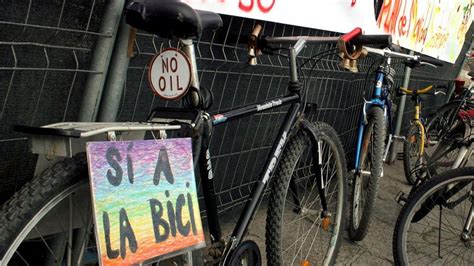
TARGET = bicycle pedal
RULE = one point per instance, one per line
(400, 156)
(401, 198)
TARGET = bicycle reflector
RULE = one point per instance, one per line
(305, 263)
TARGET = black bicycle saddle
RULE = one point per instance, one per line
(170, 18)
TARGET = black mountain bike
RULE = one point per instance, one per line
(50, 219)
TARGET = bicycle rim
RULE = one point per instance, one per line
(436, 238)
(50, 232)
(413, 152)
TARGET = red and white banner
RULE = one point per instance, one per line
(433, 27)
(331, 15)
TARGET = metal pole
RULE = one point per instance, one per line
(100, 61)
(116, 77)
(400, 111)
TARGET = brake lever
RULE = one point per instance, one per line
(427, 64)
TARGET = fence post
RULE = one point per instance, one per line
(117, 76)
(400, 111)
(100, 61)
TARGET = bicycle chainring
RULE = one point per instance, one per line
(246, 253)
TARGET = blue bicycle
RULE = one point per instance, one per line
(371, 148)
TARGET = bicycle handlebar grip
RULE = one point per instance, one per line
(425, 90)
(435, 62)
(372, 39)
(351, 35)
(256, 31)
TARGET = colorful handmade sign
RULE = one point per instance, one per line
(144, 198)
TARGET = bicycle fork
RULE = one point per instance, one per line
(320, 182)
(467, 229)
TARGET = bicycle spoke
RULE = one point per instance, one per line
(21, 257)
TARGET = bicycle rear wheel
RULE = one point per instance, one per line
(364, 186)
(430, 226)
(49, 221)
(295, 230)
(413, 152)
(440, 121)
(442, 156)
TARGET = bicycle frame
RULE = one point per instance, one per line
(205, 167)
(270, 164)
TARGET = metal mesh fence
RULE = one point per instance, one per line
(45, 53)
(45, 47)
(239, 148)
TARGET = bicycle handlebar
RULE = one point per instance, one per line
(433, 61)
(416, 59)
(422, 91)
(349, 44)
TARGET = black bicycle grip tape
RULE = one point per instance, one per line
(432, 61)
(372, 39)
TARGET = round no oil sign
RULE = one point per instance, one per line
(170, 74)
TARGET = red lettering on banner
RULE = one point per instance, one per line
(246, 8)
(401, 25)
(384, 12)
(265, 9)
(393, 20)
(249, 7)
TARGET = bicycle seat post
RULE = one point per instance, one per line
(188, 49)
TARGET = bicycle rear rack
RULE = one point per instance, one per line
(68, 138)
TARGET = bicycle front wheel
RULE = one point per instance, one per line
(364, 184)
(296, 230)
(435, 225)
(413, 150)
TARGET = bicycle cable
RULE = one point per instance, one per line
(305, 85)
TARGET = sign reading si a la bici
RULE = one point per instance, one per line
(144, 198)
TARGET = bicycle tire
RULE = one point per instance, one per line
(31, 203)
(374, 137)
(441, 157)
(48, 190)
(280, 189)
(438, 121)
(412, 151)
(434, 187)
